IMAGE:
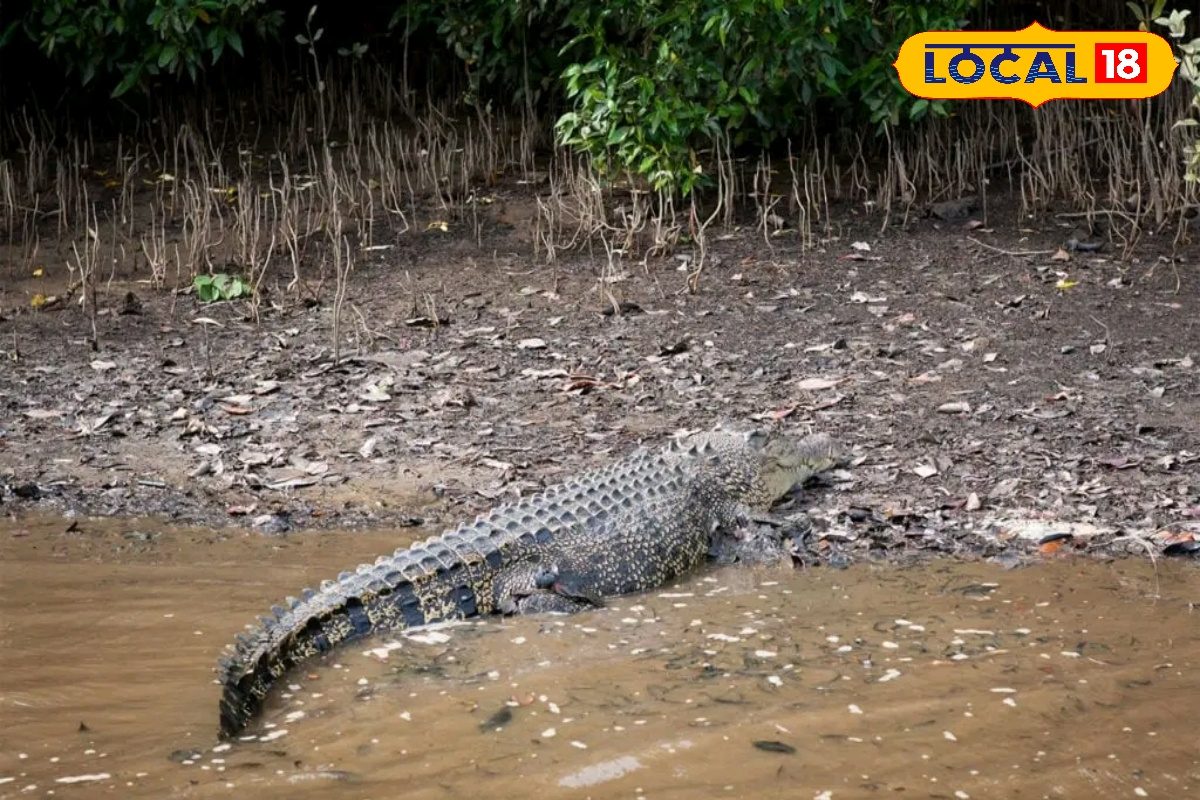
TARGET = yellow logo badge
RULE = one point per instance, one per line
(1035, 65)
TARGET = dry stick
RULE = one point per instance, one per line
(1108, 345)
(1011, 252)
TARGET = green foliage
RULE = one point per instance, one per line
(211, 288)
(1189, 71)
(654, 80)
(509, 48)
(649, 85)
(133, 40)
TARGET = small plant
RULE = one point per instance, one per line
(213, 288)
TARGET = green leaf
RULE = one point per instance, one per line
(133, 74)
(168, 55)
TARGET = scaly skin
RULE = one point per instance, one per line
(629, 527)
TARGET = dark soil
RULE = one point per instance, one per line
(985, 397)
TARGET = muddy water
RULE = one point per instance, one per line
(1066, 679)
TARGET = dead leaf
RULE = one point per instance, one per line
(236, 410)
(1050, 546)
(1120, 462)
(925, 470)
(1004, 488)
(374, 394)
(427, 322)
(580, 384)
(1060, 255)
(238, 399)
(956, 407)
(367, 449)
(554, 372)
(103, 366)
(532, 343)
(293, 483)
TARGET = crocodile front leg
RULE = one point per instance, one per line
(537, 588)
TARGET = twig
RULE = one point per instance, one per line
(1002, 251)
(1108, 345)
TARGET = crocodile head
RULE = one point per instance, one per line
(758, 468)
(779, 462)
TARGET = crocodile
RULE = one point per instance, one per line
(629, 527)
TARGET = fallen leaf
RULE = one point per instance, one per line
(1052, 544)
(1190, 548)
(103, 366)
(861, 246)
(1120, 462)
(236, 410)
(925, 470)
(674, 349)
(553, 372)
(374, 394)
(956, 407)
(39, 272)
(438, 225)
(531, 344)
(293, 483)
(1061, 255)
(427, 322)
(1004, 488)
(816, 384)
(581, 384)
(1065, 283)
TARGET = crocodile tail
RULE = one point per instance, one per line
(376, 597)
